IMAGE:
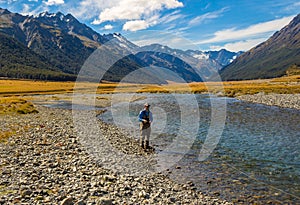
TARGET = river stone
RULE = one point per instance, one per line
(26, 192)
(172, 199)
(67, 201)
(104, 201)
(80, 203)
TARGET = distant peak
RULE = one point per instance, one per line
(4, 11)
(70, 16)
(155, 44)
(296, 19)
(59, 13)
(117, 34)
(46, 14)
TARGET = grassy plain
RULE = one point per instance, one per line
(16, 95)
(288, 84)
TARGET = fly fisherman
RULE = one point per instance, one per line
(145, 119)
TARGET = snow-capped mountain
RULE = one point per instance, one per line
(204, 63)
(66, 44)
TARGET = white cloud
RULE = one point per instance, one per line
(29, 9)
(135, 9)
(10, 1)
(135, 25)
(172, 40)
(204, 17)
(240, 45)
(294, 6)
(253, 31)
(26, 9)
(135, 13)
(171, 17)
(108, 27)
(54, 2)
(87, 9)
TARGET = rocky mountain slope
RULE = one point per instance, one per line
(205, 64)
(17, 61)
(64, 44)
(269, 59)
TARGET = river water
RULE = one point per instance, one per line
(256, 158)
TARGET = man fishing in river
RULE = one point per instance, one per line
(145, 119)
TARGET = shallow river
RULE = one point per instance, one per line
(256, 157)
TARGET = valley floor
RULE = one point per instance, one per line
(42, 161)
(283, 85)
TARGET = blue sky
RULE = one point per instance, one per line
(196, 24)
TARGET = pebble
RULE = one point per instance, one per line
(104, 201)
(280, 100)
(26, 193)
(46, 163)
(67, 201)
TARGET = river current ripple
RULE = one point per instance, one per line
(257, 159)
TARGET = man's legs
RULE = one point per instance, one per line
(142, 136)
(147, 132)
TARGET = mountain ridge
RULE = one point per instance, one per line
(269, 59)
(66, 44)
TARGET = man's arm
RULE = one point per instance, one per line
(141, 117)
(150, 117)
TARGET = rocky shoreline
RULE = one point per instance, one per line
(280, 100)
(44, 162)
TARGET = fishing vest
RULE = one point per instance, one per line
(146, 116)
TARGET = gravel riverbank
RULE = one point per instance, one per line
(43, 162)
(281, 100)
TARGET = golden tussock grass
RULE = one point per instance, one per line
(4, 135)
(12, 105)
(21, 87)
(288, 84)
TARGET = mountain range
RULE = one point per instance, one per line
(269, 59)
(56, 46)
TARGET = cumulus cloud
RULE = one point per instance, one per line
(134, 13)
(108, 27)
(138, 14)
(87, 9)
(135, 25)
(54, 2)
(253, 31)
(135, 9)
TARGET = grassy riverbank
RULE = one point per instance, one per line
(283, 85)
(17, 94)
